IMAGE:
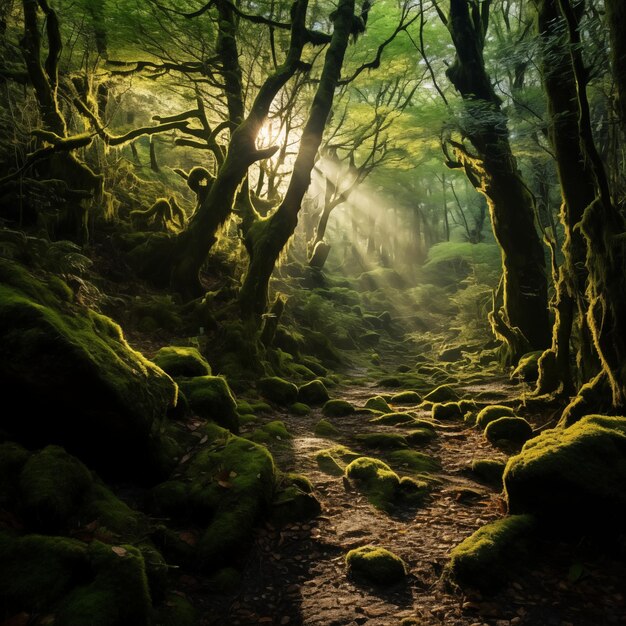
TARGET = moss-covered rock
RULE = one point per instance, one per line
(418, 436)
(491, 413)
(572, 478)
(443, 393)
(313, 393)
(414, 461)
(337, 408)
(446, 411)
(299, 408)
(484, 560)
(379, 482)
(378, 403)
(382, 441)
(406, 398)
(295, 502)
(377, 565)
(324, 428)
(510, 429)
(182, 361)
(176, 611)
(333, 460)
(272, 432)
(393, 419)
(528, 367)
(53, 486)
(109, 401)
(211, 398)
(489, 471)
(392, 382)
(278, 390)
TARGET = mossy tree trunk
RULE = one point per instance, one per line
(604, 231)
(578, 192)
(493, 171)
(267, 238)
(194, 243)
(616, 19)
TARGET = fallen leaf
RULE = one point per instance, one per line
(204, 439)
(119, 550)
(225, 484)
(185, 458)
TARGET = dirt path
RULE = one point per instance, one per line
(296, 574)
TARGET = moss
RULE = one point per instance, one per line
(413, 492)
(491, 413)
(271, 432)
(443, 393)
(382, 441)
(244, 407)
(12, 459)
(247, 418)
(484, 559)
(179, 361)
(261, 407)
(406, 398)
(38, 571)
(377, 565)
(106, 396)
(118, 594)
(324, 428)
(511, 429)
(302, 371)
(379, 482)
(333, 460)
(227, 580)
(447, 410)
(294, 504)
(489, 471)
(278, 390)
(528, 367)
(414, 461)
(394, 419)
(156, 570)
(378, 403)
(419, 436)
(313, 393)
(572, 478)
(299, 408)
(53, 486)
(337, 408)
(393, 382)
(112, 514)
(170, 498)
(211, 398)
(176, 611)
(314, 365)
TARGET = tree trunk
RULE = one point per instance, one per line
(616, 19)
(493, 171)
(268, 237)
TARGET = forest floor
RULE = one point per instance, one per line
(296, 574)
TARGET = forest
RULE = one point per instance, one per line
(310, 312)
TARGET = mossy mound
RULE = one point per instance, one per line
(527, 368)
(489, 471)
(378, 403)
(299, 408)
(382, 441)
(393, 419)
(106, 397)
(337, 408)
(180, 361)
(447, 410)
(509, 429)
(406, 398)
(419, 436)
(572, 479)
(295, 501)
(270, 433)
(313, 393)
(176, 611)
(393, 382)
(94, 584)
(333, 460)
(484, 560)
(414, 461)
(491, 413)
(443, 393)
(211, 398)
(377, 565)
(324, 428)
(379, 482)
(278, 390)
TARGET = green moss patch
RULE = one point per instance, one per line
(324, 428)
(211, 398)
(528, 367)
(181, 361)
(443, 393)
(413, 461)
(491, 413)
(379, 482)
(489, 471)
(337, 408)
(299, 408)
(270, 433)
(333, 460)
(406, 398)
(393, 419)
(419, 436)
(510, 429)
(572, 478)
(484, 560)
(278, 390)
(446, 411)
(376, 565)
(382, 441)
(378, 403)
(313, 393)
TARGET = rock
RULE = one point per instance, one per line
(375, 564)
(109, 401)
(378, 403)
(512, 429)
(443, 393)
(491, 413)
(180, 361)
(313, 393)
(324, 428)
(406, 398)
(278, 390)
(211, 398)
(299, 408)
(489, 471)
(337, 408)
(447, 410)
(393, 419)
(376, 479)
